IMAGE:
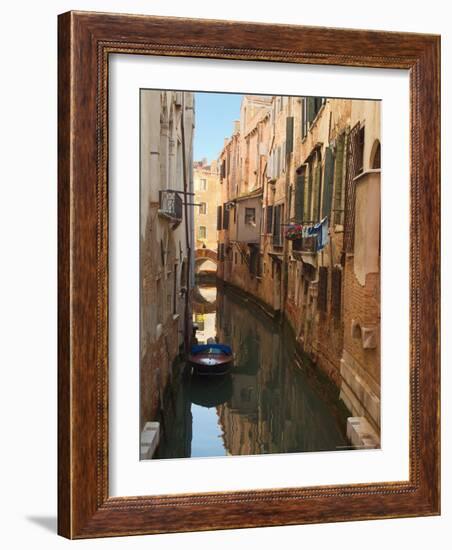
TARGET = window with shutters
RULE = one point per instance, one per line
(269, 219)
(225, 217)
(219, 218)
(317, 190)
(339, 179)
(310, 111)
(299, 194)
(310, 108)
(289, 134)
(328, 182)
(336, 293)
(277, 228)
(318, 102)
(304, 118)
(360, 150)
(307, 216)
(375, 163)
(354, 162)
(322, 289)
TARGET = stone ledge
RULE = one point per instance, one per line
(361, 434)
(149, 440)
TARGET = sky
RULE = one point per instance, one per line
(214, 117)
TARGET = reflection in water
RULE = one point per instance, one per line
(273, 401)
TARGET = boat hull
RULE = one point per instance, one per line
(206, 365)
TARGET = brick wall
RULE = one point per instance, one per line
(362, 305)
(156, 371)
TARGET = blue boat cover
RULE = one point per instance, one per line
(200, 348)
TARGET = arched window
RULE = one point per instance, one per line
(375, 157)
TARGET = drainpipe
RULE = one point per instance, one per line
(187, 234)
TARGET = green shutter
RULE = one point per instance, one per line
(303, 117)
(310, 109)
(328, 183)
(308, 195)
(338, 206)
(219, 218)
(317, 190)
(289, 135)
(269, 219)
(299, 196)
(225, 217)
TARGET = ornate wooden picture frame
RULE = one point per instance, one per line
(86, 40)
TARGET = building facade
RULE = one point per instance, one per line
(243, 163)
(206, 199)
(166, 254)
(299, 230)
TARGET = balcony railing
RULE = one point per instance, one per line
(306, 244)
(170, 204)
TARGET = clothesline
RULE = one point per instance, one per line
(318, 230)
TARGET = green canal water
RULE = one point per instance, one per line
(273, 401)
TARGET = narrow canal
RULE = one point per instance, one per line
(273, 401)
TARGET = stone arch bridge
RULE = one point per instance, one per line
(203, 255)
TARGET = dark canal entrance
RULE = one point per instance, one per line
(273, 401)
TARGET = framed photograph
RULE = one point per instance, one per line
(248, 275)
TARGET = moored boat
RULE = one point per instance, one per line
(211, 359)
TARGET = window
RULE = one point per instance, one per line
(304, 118)
(219, 218)
(289, 134)
(299, 195)
(354, 166)
(307, 217)
(225, 217)
(269, 219)
(316, 189)
(202, 185)
(339, 176)
(250, 216)
(375, 162)
(203, 208)
(277, 214)
(328, 181)
(310, 106)
(202, 232)
(361, 150)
